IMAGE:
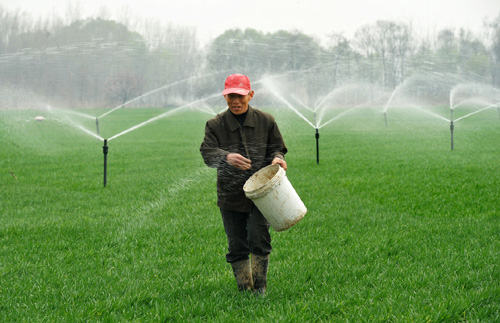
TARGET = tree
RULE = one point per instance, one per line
(447, 49)
(230, 50)
(494, 35)
(124, 87)
(11, 25)
(472, 56)
(392, 45)
(259, 53)
(339, 55)
(364, 42)
(74, 11)
(403, 40)
(96, 61)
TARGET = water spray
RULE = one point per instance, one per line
(105, 152)
(317, 146)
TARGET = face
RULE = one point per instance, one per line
(238, 104)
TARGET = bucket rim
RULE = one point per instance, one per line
(259, 191)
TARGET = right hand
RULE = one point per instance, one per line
(238, 161)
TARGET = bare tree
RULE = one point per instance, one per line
(124, 87)
(11, 25)
(339, 52)
(392, 44)
(364, 42)
(103, 12)
(403, 41)
(446, 49)
(494, 35)
(472, 56)
(127, 17)
(74, 11)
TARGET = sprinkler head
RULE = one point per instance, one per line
(317, 133)
(452, 126)
(105, 147)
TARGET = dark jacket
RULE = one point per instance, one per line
(258, 139)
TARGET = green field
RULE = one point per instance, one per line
(399, 227)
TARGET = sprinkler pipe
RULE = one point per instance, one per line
(452, 127)
(451, 130)
(105, 152)
(317, 146)
(97, 125)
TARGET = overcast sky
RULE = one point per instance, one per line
(313, 17)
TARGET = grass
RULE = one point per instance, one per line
(399, 228)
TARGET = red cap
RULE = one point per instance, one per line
(237, 83)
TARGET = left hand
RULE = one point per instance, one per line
(280, 162)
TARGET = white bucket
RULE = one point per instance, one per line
(275, 197)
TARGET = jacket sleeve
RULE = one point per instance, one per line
(212, 154)
(276, 144)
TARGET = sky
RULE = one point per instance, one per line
(313, 17)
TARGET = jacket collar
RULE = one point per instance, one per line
(249, 119)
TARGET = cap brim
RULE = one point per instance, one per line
(235, 90)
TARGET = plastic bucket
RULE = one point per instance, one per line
(275, 197)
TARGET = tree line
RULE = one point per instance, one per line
(98, 62)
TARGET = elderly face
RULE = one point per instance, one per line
(238, 104)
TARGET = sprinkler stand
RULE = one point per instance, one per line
(385, 118)
(317, 146)
(105, 152)
(452, 127)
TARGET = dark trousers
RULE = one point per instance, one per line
(246, 233)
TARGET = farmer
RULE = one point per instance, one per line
(239, 142)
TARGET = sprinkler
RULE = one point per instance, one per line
(97, 125)
(385, 118)
(451, 129)
(317, 139)
(105, 152)
(317, 145)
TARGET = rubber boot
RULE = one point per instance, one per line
(259, 273)
(243, 274)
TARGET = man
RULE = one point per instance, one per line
(239, 142)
